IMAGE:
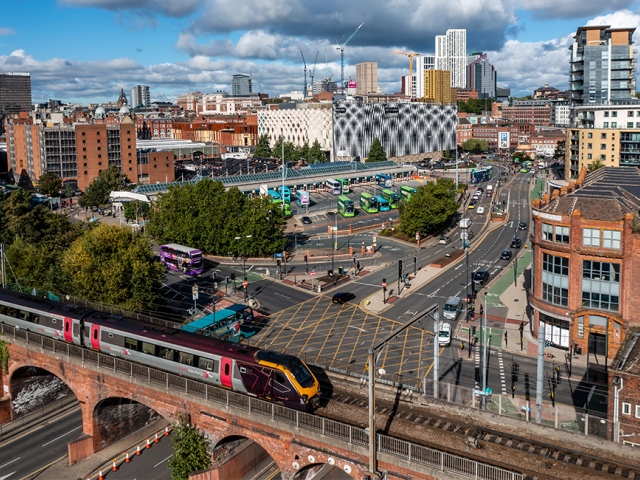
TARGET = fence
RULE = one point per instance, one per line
(412, 452)
(23, 420)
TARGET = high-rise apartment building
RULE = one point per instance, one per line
(451, 55)
(422, 64)
(366, 78)
(481, 75)
(140, 96)
(437, 87)
(241, 85)
(601, 65)
(15, 92)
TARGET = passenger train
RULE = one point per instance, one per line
(278, 377)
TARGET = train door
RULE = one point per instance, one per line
(95, 336)
(68, 327)
(226, 372)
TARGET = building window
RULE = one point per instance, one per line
(555, 279)
(84, 142)
(626, 408)
(589, 145)
(98, 133)
(588, 156)
(130, 168)
(84, 157)
(98, 140)
(603, 158)
(85, 172)
(611, 239)
(83, 134)
(603, 136)
(590, 237)
(603, 146)
(84, 149)
(606, 114)
(614, 124)
(99, 148)
(637, 411)
(547, 232)
(614, 114)
(85, 164)
(629, 124)
(562, 234)
(601, 285)
(589, 135)
(99, 156)
(99, 163)
(581, 327)
(606, 125)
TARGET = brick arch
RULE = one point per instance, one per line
(317, 464)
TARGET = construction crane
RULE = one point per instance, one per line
(313, 71)
(326, 62)
(410, 55)
(341, 48)
(304, 90)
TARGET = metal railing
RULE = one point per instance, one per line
(26, 419)
(418, 454)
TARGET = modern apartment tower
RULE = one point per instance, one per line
(601, 67)
(422, 64)
(481, 75)
(437, 87)
(15, 92)
(451, 55)
(241, 85)
(366, 78)
(140, 96)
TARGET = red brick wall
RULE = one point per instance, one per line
(92, 156)
(160, 167)
(630, 394)
(128, 135)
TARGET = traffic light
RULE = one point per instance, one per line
(278, 263)
(330, 273)
(384, 283)
(226, 279)
(305, 258)
(474, 329)
(233, 276)
(215, 276)
(400, 269)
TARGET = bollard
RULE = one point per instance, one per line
(115, 467)
(138, 451)
(156, 440)
(100, 477)
(127, 459)
(166, 429)
(148, 444)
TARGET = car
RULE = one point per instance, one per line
(515, 243)
(480, 210)
(444, 334)
(506, 255)
(444, 241)
(343, 297)
(481, 277)
(524, 170)
(472, 204)
(522, 226)
(480, 189)
(306, 220)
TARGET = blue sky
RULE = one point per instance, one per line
(86, 50)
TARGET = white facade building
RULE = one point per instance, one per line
(140, 95)
(307, 122)
(451, 55)
(562, 115)
(222, 102)
(295, 95)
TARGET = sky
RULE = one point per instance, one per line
(87, 50)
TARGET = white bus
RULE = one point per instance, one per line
(333, 186)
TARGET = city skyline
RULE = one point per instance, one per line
(180, 48)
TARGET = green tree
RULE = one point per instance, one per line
(136, 210)
(276, 151)
(476, 106)
(559, 151)
(376, 152)
(521, 157)
(4, 356)
(595, 165)
(114, 265)
(430, 208)
(191, 449)
(49, 184)
(68, 190)
(316, 155)
(304, 152)
(263, 150)
(474, 145)
(98, 192)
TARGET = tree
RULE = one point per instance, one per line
(475, 106)
(476, 146)
(595, 165)
(263, 150)
(559, 151)
(430, 208)
(304, 152)
(521, 157)
(136, 210)
(49, 184)
(98, 192)
(316, 155)
(192, 449)
(276, 151)
(114, 265)
(376, 152)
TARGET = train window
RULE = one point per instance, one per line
(148, 348)
(130, 343)
(185, 358)
(66, 328)
(12, 312)
(280, 378)
(166, 353)
(208, 364)
(243, 370)
(24, 315)
(3, 310)
(95, 332)
(35, 318)
(226, 369)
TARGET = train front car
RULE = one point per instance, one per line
(292, 372)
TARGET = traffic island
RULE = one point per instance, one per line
(447, 259)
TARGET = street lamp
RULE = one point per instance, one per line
(244, 265)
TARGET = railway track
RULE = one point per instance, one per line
(590, 465)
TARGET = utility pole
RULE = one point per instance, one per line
(484, 354)
(539, 378)
(436, 356)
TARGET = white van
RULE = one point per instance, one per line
(444, 335)
(489, 190)
(465, 223)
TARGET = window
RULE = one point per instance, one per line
(208, 364)
(589, 135)
(603, 136)
(99, 156)
(99, 163)
(84, 149)
(98, 140)
(611, 239)
(630, 113)
(588, 156)
(626, 408)
(226, 369)
(83, 134)
(637, 411)
(581, 327)
(98, 133)
(99, 148)
(547, 232)
(131, 344)
(603, 158)
(589, 145)
(562, 235)
(166, 353)
(555, 279)
(84, 157)
(600, 286)
(84, 142)
(185, 358)
(606, 114)
(590, 237)
(148, 348)
(603, 146)
(86, 172)
(606, 125)
(614, 114)
(629, 124)
(614, 124)
(280, 378)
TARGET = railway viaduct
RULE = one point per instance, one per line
(295, 440)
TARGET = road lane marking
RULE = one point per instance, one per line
(160, 463)
(7, 476)
(280, 295)
(9, 463)
(64, 434)
(44, 468)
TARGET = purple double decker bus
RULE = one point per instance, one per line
(182, 259)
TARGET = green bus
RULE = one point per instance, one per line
(345, 206)
(392, 197)
(368, 203)
(287, 207)
(345, 185)
(407, 193)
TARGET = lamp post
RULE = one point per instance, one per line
(244, 265)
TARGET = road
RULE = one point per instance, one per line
(152, 464)
(38, 447)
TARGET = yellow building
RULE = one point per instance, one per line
(608, 146)
(437, 87)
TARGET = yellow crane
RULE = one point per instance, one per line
(410, 55)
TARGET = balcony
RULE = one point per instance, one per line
(576, 59)
(575, 137)
(621, 56)
(576, 87)
(574, 158)
(576, 68)
(577, 78)
(622, 86)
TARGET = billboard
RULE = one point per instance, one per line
(352, 84)
(503, 141)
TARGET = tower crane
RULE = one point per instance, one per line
(304, 90)
(341, 48)
(410, 55)
(326, 62)
(313, 71)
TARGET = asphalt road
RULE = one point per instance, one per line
(31, 451)
(151, 464)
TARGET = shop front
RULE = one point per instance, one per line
(556, 330)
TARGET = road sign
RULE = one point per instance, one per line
(384, 284)
(313, 273)
(194, 290)
(244, 284)
(417, 236)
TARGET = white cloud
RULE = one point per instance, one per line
(6, 31)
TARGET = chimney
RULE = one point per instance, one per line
(555, 194)
(545, 198)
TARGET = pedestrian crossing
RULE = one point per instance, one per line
(502, 377)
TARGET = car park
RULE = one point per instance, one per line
(522, 226)
(306, 220)
(506, 255)
(343, 297)
(515, 243)
(481, 277)
(444, 241)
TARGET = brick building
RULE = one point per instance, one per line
(241, 131)
(539, 115)
(465, 94)
(623, 407)
(491, 133)
(465, 130)
(585, 266)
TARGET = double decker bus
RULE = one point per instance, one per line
(392, 197)
(346, 207)
(346, 188)
(302, 197)
(287, 206)
(407, 193)
(368, 203)
(182, 259)
(284, 193)
(333, 186)
(384, 180)
(481, 175)
(383, 204)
